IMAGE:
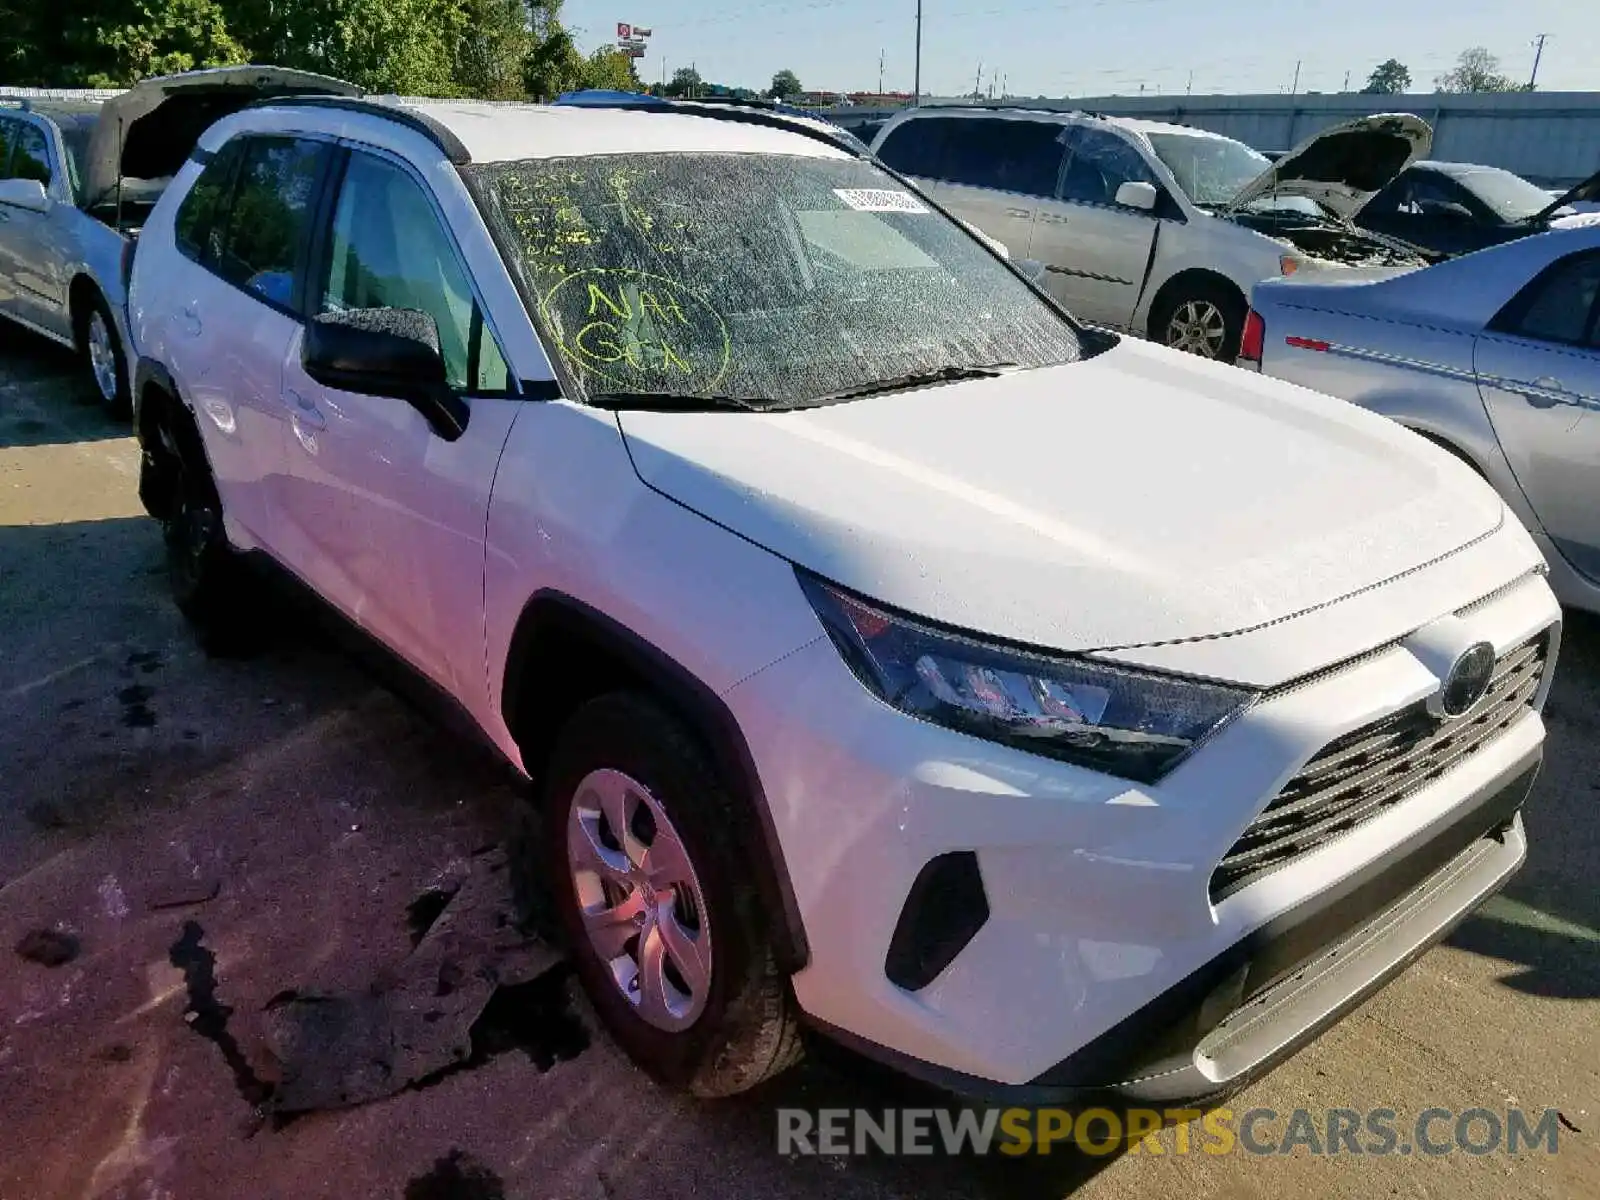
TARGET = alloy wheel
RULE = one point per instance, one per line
(102, 357)
(1197, 327)
(639, 899)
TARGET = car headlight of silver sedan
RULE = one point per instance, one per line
(1136, 725)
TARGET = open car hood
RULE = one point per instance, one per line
(149, 130)
(1345, 165)
(1587, 192)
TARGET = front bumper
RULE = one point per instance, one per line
(1103, 963)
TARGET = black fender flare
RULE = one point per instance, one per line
(554, 614)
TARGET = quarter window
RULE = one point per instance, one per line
(264, 234)
(31, 159)
(916, 147)
(197, 226)
(1009, 155)
(388, 250)
(1560, 305)
(8, 138)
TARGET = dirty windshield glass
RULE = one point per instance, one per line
(1511, 197)
(773, 280)
(1210, 170)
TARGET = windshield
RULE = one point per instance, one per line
(1510, 197)
(772, 279)
(75, 137)
(1210, 170)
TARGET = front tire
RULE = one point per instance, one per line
(657, 904)
(103, 356)
(1201, 318)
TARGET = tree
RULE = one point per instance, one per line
(610, 70)
(1388, 78)
(1477, 71)
(167, 37)
(785, 83)
(494, 42)
(685, 81)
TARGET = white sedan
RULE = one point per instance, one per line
(1494, 355)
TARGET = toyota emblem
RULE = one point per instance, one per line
(1466, 684)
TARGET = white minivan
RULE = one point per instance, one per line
(1157, 229)
(1033, 707)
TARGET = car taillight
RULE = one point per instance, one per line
(1253, 339)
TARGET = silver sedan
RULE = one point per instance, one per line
(1494, 355)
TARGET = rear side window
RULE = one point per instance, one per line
(31, 158)
(196, 224)
(1011, 155)
(1560, 305)
(266, 231)
(917, 147)
(8, 138)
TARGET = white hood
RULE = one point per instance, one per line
(149, 130)
(1142, 496)
(1345, 165)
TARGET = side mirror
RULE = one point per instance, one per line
(1138, 194)
(24, 193)
(392, 352)
(994, 244)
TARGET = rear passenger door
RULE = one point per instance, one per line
(244, 230)
(1538, 369)
(996, 171)
(391, 513)
(1096, 251)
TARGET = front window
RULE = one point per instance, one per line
(771, 280)
(1210, 170)
(1510, 197)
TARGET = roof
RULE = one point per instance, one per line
(1132, 124)
(505, 132)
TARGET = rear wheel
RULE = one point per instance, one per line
(1202, 318)
(657, 903)
(202, 569)
(103, 355)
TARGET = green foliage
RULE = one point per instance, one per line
(1477, 71)
(608, 69)
(1388, 78)
(495, 40)
(784, 84)
(685, 81)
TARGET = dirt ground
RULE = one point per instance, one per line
(210, 833)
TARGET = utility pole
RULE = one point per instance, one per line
(880, 72)
(1346, 87)
(1188, 88)
(977, 84)
(1538, 53)
(916, 94)
(1295, 90)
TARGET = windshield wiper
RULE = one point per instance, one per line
(901, 383)
(672, 402)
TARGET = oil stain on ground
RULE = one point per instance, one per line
(136, 712)
(457, 1176)
(207, 1015)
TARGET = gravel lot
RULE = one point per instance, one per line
(137, 777)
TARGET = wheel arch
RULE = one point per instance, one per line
(564, 652)
(155, 397)
(1174, 285)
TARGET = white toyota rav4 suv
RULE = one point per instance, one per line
(1038, 710)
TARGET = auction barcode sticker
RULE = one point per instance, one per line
(880, 200)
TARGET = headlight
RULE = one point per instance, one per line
(1127, 723)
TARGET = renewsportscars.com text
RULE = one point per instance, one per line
(1174, 1131)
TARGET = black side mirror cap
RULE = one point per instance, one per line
(391, 352)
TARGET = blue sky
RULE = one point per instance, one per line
(1099, 47)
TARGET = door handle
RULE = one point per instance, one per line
(192, 324)
(307, 413)
(1545, 392)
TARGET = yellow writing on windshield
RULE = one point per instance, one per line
(638, 331)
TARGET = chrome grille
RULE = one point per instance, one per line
(1362, 774)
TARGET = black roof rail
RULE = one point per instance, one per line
(400, 114)
(1001, 106)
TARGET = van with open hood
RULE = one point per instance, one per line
(77, 180)
(1158, 229)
